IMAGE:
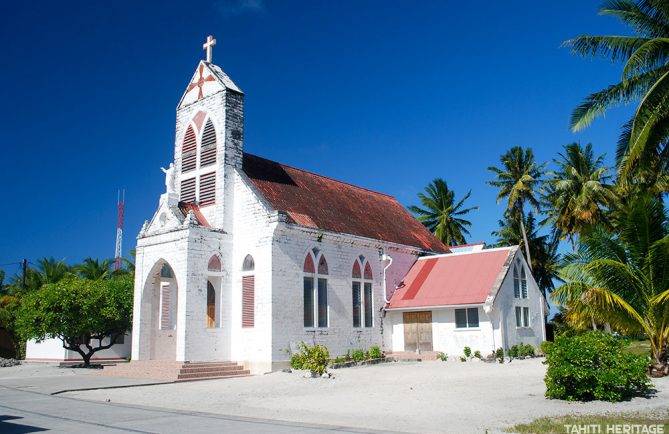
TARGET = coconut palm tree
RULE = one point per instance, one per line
(622, 279)
(93, 269)
(645, 78)
(578, 195)
(545, 257)
(519, 181)
(441, 215)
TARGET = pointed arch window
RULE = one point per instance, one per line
(361, 293)
(248, 292)
(198, 162)
(214, 264)
(211, 305)
(516, 282)
(523, 283)
(315, 285)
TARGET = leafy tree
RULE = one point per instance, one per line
(93, 269)
(80, 312)
(622, 278)
(545, 258)
(441, 215)
(578, 195)
(645, 78)
(519, 181)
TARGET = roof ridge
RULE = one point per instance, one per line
(326, 177)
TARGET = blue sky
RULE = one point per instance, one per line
(387, 95)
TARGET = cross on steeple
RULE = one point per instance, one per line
(208, 46)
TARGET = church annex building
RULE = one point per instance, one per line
(246, 257)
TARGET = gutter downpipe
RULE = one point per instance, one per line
(384, 258)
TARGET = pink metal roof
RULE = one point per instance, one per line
(451, 279)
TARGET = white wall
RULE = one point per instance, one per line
(504, 309)
(291, 245)
(51, 350)
(445, 336)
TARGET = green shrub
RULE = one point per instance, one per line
(545, 347)
(593, 366)
(463, 359)
(467, 351)
(526, 350)
(339, 359)
(296, 361)
(314, 358)
(442, 356)
(499, 355)
(375, 353)
(513, 352)
(358, 355)
(477, 354)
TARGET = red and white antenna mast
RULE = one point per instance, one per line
(118, 262)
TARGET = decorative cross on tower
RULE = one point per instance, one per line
(208, 46)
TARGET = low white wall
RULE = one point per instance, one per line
(51, 350)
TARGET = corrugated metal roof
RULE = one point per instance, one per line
(452, 279)
(319, 202)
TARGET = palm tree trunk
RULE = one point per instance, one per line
(527, 246)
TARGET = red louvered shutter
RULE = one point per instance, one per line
(208, 189)
(248, 301)
(208, 145)
(188, 151)
(165, 307)
(188, 190)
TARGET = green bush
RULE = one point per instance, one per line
(442, 356)
(545, 347)
(296, 361)
(467, 351)
(477, 354)
(463, 359)
(513, 352)
(358, 355)
(499, 355)
(526, 350)
(314, 358)
(593, 366)
(375, 353)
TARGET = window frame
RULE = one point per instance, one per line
(523, 317)
(365, 286)
(199, 171)
(467, 323)
(248, 271)
(320, 314)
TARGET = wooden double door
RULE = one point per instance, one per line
(417, 331)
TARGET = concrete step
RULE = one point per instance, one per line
(207, 364)
(189, 370)
(218, 377)
(219, 374)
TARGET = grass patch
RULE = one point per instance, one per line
(638, 347)
(556, 425)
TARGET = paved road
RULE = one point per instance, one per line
(27, 412)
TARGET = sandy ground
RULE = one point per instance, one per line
(411, 397)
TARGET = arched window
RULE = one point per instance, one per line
(315, 290)
(188, 151)
(211, 305)
(198, 159)
(168, 298)
(516, 281)
(248, 292)
(523, 283)
(361, 289)
(208, 147)
(214, 264)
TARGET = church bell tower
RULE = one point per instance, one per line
(209, 141)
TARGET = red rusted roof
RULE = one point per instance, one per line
(319, 202)
(452, 279)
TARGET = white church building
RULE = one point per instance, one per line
(246, 257)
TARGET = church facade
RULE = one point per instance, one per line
(245, 257)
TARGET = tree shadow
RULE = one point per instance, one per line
(16, 428)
